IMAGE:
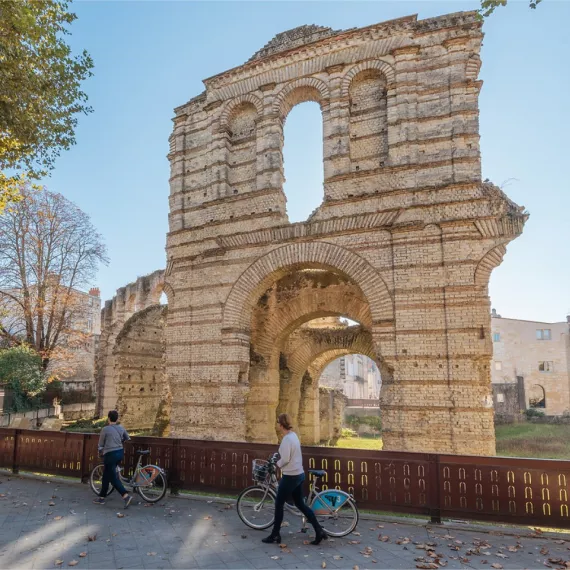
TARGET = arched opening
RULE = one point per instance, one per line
(537, 397)
(356, 375)
(163, 299)
(303, 160)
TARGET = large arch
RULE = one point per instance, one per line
(142, 388)
(278, 262)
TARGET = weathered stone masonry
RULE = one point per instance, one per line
(404, 242)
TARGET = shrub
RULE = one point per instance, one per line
(533, 413)
(347, 432)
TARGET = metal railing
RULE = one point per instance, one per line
(499, 489)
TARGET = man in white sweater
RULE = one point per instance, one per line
(291, 484)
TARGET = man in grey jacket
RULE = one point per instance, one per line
(111, 448)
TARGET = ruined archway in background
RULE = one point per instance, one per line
(143, 391)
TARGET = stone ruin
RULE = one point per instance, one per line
(403, 244)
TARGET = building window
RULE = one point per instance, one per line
(537, 397)
(498, 365)
(89, 325)
(543, 334)
(500, 398)
(496, 337)
(545, 366)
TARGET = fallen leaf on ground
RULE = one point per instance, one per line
(337, 557)
(356, 533)
(384, 538)
(208, 517)
(500, 555)
(57, 518)
(513, 548)
(51, 504)
(275, 558)
(305, 542)
(354, 542)
(355, 568)
(58, 562)
(544, 551)
(496, 566)
(73, 563)
(323, 564)
(428, 566)
(151, 553)
(92, 538)
(82, 554)
(379, 526)
(120, 515)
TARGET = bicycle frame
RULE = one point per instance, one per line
(131, 481)
(313, 492)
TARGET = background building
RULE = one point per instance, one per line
(355, 374)
(531, 365)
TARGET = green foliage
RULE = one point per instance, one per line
(347, 432)
(489, 6)
(40, 95)
(374, 422)
(533, 413)
(86, 425)
(21, 371)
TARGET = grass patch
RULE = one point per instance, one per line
(543, 441)
(363, 442)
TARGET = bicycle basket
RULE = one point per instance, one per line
(147, 475)
(259, 470)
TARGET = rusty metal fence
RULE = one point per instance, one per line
(500, 489)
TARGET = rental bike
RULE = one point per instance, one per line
(149, 481)
(335, 510)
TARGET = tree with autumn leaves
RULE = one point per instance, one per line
(40, 90)
(49, 253)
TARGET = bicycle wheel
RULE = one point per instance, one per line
(336, 512)
(256, 507)
(154, 491)
(96, 480)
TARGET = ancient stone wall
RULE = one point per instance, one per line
(139, 352)
(128, 301)
(404, 242)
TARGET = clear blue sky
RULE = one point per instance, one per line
(152, 56)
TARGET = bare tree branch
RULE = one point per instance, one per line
(49, 252)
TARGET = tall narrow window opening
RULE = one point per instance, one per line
(303, 160)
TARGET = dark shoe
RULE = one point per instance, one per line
(99, 501)
(272, 538)
(127, 500)
(321, 535)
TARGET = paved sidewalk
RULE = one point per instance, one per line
(47, 525)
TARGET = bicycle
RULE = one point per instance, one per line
(148, 481)
(335, 510)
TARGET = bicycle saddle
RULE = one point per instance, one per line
(317, 472)
(143, 451)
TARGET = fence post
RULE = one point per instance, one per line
(84, 461)
(15, 466)
(435, 491)
(174, 475)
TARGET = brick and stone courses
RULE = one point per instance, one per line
(405, 240)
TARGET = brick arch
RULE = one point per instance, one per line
(352, 340)
(309, 305)
(231, 105)
(143, 394)
(309, 89)
(384, 68)
(489, 261)
(262, 273)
